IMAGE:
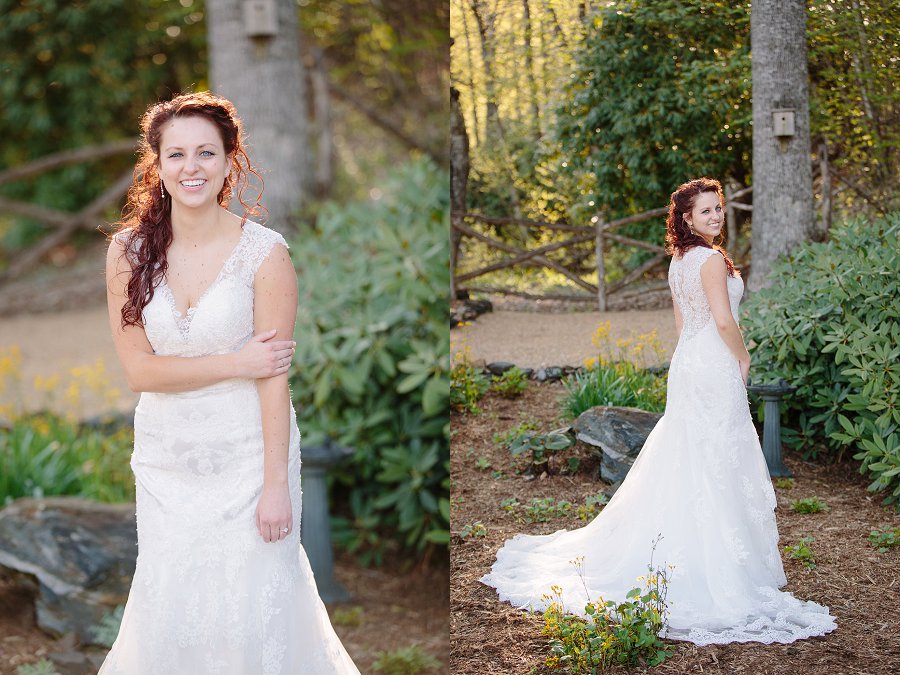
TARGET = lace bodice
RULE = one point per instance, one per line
(221, 321)
(687, 290)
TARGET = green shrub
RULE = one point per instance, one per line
(482, 463)
(42, 667)
(591, 507)
(351, 616)
(538, 446)
(372, 363)
(885, 539)
(474, 530)
(830, 325)
(467, 384)
(511, 383)
(106, 632)
(613, 634)
(809, 505)
(44, 454)
(528, 423)
(405, 661)
(802, 552)
(543, 509)
(614, 384)
(617, 376)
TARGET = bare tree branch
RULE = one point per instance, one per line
(66, 157)
(439, 157)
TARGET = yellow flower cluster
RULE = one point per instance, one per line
(642, 350)
(91, 379)
(10, 365)
(607, 633)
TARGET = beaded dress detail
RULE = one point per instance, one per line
(701, 482)
(209, 596)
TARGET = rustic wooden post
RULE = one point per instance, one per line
(599, 223)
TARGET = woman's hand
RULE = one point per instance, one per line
(274, 519)
(264, 357)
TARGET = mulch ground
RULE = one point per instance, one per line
(859, 585)
(397, 610)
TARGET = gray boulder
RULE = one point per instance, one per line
(617, 434)
(78, 555)
(549, 374)
(499, 367)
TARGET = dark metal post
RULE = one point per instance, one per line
(771, 443)
(315, 529)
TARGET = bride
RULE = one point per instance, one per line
(700, 480)
(202, 305)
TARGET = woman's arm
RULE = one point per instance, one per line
(679, 319)
(275, 304)
(712, 276)
(262, 357)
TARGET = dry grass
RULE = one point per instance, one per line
(858, 584)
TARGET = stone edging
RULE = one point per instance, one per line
(551, 373)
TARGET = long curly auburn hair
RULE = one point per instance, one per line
(146, 224)
(679, 238)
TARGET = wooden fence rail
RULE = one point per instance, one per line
(600, 232)
(64, 224)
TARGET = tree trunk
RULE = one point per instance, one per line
(324, 128)
(782, 178)
(264, 78)
(485, 19)
(862, 67)
(557, 28)
(494, 135)
(529, 74)
(459, 177)
(473, 96)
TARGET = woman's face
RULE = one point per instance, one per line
(706, 218)
(192, 161)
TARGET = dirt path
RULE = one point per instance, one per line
(56, 319)
(537, 340)
(56, 342)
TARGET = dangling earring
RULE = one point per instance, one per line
(690, 227)
(162, 190)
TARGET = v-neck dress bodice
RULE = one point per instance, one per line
(221, 320)
(208, 594)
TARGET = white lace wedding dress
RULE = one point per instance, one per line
(209, 596)
(701, 482)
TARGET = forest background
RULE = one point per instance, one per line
(576, 110)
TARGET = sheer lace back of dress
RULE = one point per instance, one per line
(687, 289)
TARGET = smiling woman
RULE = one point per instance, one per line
(202, 305)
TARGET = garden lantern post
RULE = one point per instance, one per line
(771, 442)
(315, 530)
